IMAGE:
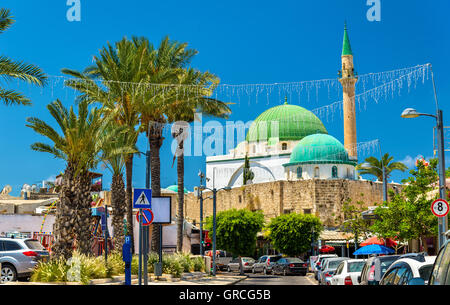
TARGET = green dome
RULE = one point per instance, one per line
(294, 123)
(174, 188)
(319, 148)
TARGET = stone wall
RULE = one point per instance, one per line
(323, 198)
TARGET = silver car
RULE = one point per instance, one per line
(18, 257)
(265, 263)
(247, 264)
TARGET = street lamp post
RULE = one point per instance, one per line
(412, 113)
(214, 191)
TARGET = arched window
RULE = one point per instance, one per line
(317, 172)
(284, 146)
(299, 172)
(334, 172)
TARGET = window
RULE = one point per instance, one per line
(299, 172)
(340, 268)
(284, 146)
(306, 211)
(11, 246)
(425, 272)
(334, 172)
(406, 277)
(317, 172)
(355, 266)
(389, 278)
(240, 198)
(399, 274)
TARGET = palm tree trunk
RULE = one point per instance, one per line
(64, 222)
(180, 214)
(129, 199)
(83, 223)
(119, 207)
(155, 140)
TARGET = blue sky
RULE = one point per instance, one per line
(242, 42)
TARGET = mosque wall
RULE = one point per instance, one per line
(320, 197)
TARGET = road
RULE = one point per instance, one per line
(261, 279)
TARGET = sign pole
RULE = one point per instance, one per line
(140, 247)
(146, 229)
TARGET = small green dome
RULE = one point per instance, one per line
(174, 188)
(294, 123)
(319, 148)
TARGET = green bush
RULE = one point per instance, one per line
(52, 271)
(186, 262)
(199, 263)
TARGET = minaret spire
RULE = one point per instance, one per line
(348, 82)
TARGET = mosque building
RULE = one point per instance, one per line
(289, 142)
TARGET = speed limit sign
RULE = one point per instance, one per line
(440, 208)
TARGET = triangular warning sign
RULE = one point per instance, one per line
(143, 199)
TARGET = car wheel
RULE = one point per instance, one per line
(8, 273)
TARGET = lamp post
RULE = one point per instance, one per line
(410, 113)
(214, 191)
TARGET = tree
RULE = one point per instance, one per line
(353, 220)
(408, 215)
(114, 154)
(377, 165)
(248, 173)
(236, 230)
(10, 69)
(119, 69)
(181, 109)
(77, 144)
(291, 234)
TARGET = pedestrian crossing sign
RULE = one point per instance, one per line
(142, 199)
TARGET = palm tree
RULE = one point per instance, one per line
(162, 67)
(197, 87)
(10, 69)
(77, 144)
(114, 154)
(119, 68)
(375, 167)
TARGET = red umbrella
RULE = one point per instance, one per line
(379, 241)
(326, 249)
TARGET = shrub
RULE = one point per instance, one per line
(186, 262)
(199, 263)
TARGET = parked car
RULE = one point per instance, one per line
(265, 263)
(318, 262)
(290, 265)
(328, 269)
(347, 272)
(403, 270)
(247, 264)
(440, 273)
(374, 269)
(223, 258)
(18, 257)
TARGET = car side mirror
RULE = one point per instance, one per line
(417, 281)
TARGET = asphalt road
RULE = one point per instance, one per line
(261, 279)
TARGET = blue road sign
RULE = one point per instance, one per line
(147, 217)
(142, 199)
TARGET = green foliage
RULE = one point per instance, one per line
(353, 221)
(11, 70)
(248, 173)
(236, 230)
(172, 265)
(291, 234)
(52, 271)
(376, 168)
(408, 215)
(199, 263)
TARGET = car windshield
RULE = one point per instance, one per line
(425, 272)
(34, 244)
(355, 266)
(248, 259)
(334, 264)
(294, 260)
(274, 259)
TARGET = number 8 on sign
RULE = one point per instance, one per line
(440, 208)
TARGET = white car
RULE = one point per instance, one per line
(347, 272)
(318, 263)
(405, 269)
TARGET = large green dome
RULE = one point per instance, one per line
(319, 148)
(174, 188)
(294, 123)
